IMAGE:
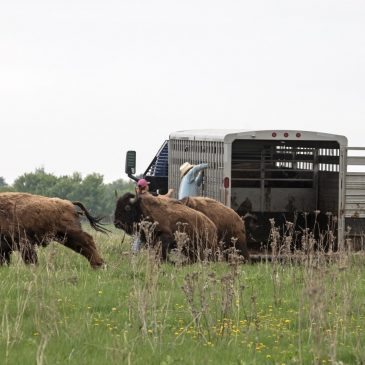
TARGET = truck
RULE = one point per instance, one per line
(305, 177)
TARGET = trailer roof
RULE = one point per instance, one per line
(229, 135)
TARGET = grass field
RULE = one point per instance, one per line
(138, 311)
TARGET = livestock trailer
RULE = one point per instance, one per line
(280, 174)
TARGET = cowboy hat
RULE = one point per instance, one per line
(184, 168)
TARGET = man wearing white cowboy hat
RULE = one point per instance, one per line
(191, 178)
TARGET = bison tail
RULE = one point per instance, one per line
(94, 221)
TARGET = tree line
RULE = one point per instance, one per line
(97, 196)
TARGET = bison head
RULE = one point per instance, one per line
(127, 212)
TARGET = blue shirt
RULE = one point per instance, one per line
(191, 181)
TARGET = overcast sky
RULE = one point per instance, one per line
(81, 82)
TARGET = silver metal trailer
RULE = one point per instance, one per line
(277, 173)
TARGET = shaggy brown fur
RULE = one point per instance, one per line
(171, 217)
(28, 220)
(228, 222)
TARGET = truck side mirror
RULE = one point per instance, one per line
(130, 163)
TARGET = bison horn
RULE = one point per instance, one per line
(132, 200)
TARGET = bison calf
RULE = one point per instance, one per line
(28, 220)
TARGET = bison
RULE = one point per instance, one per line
(170, 217)
(28, 220)
(229, 224)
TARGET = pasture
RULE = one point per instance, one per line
(139, 311)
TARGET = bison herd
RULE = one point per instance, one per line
(206, 223)
(27, 221)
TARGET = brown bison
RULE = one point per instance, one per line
(170, 217)
(28, 220)
(229, 224)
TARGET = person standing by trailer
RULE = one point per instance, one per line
(142, 187)
(191, 179)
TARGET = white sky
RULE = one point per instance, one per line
(81, 82)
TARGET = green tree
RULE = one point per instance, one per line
(67, 187)
(121, 187)
(4, 186)
(92, 193)
(38, 182)
(2, 182)
(97, 196)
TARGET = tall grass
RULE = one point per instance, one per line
(142, 311)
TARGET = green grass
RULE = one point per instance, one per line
(140, 312)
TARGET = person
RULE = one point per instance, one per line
(142, 187)
(191, 179)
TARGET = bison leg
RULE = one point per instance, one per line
(241, 246)
(165, 245)
(5, 251)
(5, 256)
(28, 252)
(82, 243)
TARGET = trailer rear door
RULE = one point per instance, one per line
(354, 194)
